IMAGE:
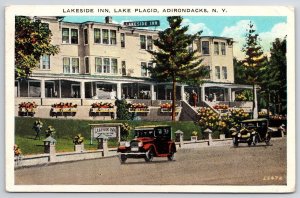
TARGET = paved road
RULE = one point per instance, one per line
(210, 165)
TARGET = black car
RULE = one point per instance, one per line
(252, 131)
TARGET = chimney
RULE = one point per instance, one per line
(108, 19)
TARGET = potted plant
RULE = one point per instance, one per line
(194, 136)
(18, 154)
(78, 143)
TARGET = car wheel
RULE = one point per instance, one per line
(254, 140)
(235, 141)
(249, 142)
(171, 156)
(123, 158)
(268, 138)
(149, 156)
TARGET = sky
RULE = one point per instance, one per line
(268, 27)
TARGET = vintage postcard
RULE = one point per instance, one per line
(150, 98)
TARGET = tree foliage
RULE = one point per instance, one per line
(174, 60)
(254, 60)
(32, 40)
(274, 81)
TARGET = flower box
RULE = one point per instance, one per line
(27, 108)
(79, 148)
(64, 109)
(169, 110)
(141, 110)
(102, 110)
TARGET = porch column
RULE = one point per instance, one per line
(229, 95)
(59, 88)
(202, 93)
(182, 93)
(92, 89)
(255, 110)
(233, 95)
(152, 91)
(82, 90)
(119, 90)
(42, 88)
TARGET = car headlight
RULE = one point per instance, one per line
(140, 144)
(127, 144)
(239, 135)
(248, 134)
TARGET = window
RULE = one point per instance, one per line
(223, 49)
(123, 68)
(70, 65)
(122, 40)
(113, 37)
(216, 48)
(65, 35)
(97, 35)
(114, 66)
(74, 36)
(85, 34)
(106, 65)
(66, 65)
(143, 69)
(217, 72)
(105, 36)
(205, 47)
(149, 43)
(98, 62)
(149, 65)
(75, 65)
(45, 62)
(224, 72)
(143, 41)
(87, 65)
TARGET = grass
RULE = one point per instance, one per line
(66, 129)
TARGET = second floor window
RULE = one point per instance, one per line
(97, 35)
(98, 62)
(113, 37)
(224, 72)
(143, 41)
(45, 62)
(223, 49)
(70, 65)
(86, 38)
(122, 39)
(217, 72)
(105, 39)
(149, 43)
(216, 48)
(68, 37)
(123, 68)
(205, 47)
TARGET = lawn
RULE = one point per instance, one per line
(66, 129)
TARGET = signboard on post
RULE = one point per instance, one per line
(110, 130)
(142, 23)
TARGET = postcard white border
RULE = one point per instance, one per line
(50, 10)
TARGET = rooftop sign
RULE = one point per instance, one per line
(142, 23)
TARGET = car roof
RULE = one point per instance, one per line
(255, 120)
(149, 127)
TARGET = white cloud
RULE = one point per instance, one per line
(238, 31)
(196, 27)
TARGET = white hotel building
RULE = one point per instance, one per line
(101, 61)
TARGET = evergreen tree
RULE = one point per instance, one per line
(122, 110)
(254, 60)
(174, 60)
(32, 40)
(239, 71)
(274, 80)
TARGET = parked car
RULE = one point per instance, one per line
(252, 131)
(149, 142)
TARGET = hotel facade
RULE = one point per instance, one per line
(103, 61)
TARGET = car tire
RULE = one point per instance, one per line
(249, 142)
(171, 156)
(123, 158)
(268, 138)
(149, 155)
(235, 142)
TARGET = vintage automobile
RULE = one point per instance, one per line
(149, 142)
(252, 131)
